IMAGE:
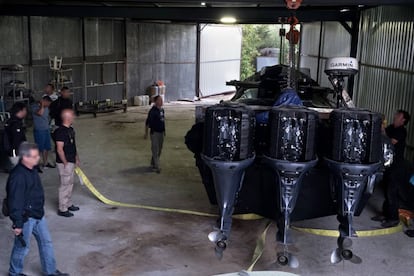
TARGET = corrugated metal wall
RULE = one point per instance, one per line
(155, 51)
(219, 58)
(385, 81)
(61, 36)
(332, 41)
(164, 52)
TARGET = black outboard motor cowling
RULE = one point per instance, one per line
(355, 161)
(291, 154)
(228, 150)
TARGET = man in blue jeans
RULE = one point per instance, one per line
(41, 128)
(25, 198)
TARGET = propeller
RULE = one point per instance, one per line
(287, 259)
(344, 252)
(220, 240)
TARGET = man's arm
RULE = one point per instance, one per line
(400, 136)
(52, 109)
(147, 124)
(16, 190)
(60, 152)
(77, 160)
(146, 132)
(40, 110)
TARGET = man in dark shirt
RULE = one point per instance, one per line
(156, 123)
(66, 159)
(393, 176)
(15, 132)
(398, 134)
(25, 198)
(62, 103)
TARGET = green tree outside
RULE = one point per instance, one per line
(255, 38)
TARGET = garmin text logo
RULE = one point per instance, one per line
(342, 64)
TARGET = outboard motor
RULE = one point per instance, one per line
(228, 150)
(291, 154)
(355, 162)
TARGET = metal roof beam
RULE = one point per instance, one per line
(202, 14)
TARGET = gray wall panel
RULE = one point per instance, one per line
(161, 52)
(310, 38)
(104, 38)
(14, 40)
(54, 36)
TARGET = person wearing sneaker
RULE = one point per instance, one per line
(41, 128)
(66, 159)
(25, 201)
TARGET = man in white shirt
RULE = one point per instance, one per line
(50, 91)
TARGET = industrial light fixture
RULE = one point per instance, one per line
(228, 20)
(203, 4)
(344, 10)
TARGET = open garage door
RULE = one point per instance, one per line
(220, 52)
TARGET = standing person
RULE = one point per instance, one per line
(25, 198)
(50, 91)
(62, 103)
(156, 123)
(66, 159)
(393, 176)
(41, 130)
(14, 130)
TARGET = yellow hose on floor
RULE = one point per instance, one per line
(84, 180)
(362, 233)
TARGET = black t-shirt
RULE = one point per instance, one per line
(55, 109)
(16, 134)
(156, 119)
(399, 134)
(67, 136)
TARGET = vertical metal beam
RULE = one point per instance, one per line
(29, 38)
(85, 88)
(198, 60)
(354, 49)
(319, 52)
(300, 47)
(125, 90)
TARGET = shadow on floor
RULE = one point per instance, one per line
(137, 170)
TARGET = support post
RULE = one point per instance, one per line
(125, 90)
(198, 61)
(85, 88)
(29, 38)
(354, 49)
(319, 53)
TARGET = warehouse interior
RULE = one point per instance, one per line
(138, 222)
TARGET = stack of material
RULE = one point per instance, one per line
(141, 100)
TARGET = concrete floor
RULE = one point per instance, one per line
(106, 240)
